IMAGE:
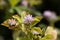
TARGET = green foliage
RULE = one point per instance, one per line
(47, 37)
(34, 2)
(36, 20)
(13, 2)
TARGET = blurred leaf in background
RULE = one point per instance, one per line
(13, 2)
(34, 2)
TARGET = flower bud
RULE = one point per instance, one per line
(50, 15)
(25, 3)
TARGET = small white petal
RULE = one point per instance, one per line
(34, 32)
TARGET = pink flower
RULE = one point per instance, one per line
(47, 14)
(28, 19)
(50, 15)
(24, 3)
(12, 22)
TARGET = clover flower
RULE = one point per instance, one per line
(50, 15)
(28, 19)
(24, 3)
(12, 22)
(47, 14)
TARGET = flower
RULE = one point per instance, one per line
(47, 14)
(28, 19)
(51, 31)
(12, 22)
(24, 3)
(50, 15)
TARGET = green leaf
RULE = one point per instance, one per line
(34, 2)
(48, 36)
(42, 25)
(18, 18)
(11, 10)
(5, 23)
(37, 29)
(36, 13)
(24, 38)
(20, 9)
(36, 20)
(43, 38)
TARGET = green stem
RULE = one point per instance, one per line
(52, 23)
(16, 35)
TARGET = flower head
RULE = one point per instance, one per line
(12, 22)
(24, 3)
(50, 15)
(28, 19)
(47, 14)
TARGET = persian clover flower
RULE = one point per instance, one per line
(25, 3)
(28, 19)
(50, 15)
(47, 14)
(12, 22)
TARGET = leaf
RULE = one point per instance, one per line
(37, 13)
(13, 2)
(35, 21)
(20, 9)
(42, 25)
(34, 2)
(5, 23)
(37, 29)
(43, 32)
(17, 18)
(11, 10)
(24, 38)
(24, 13)
(48, 36)
(43, 38)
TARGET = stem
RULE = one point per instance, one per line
(16, 35)
(23, 28)
(52, 23)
